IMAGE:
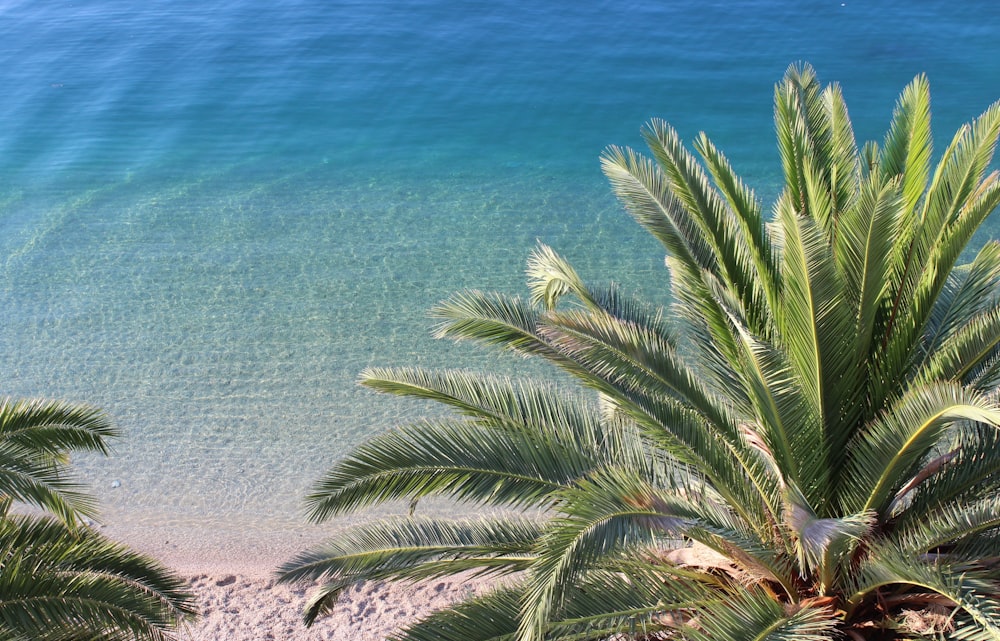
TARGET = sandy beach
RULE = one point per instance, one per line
(241, 607)
(240, 600)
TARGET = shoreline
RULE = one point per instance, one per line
(188, 551)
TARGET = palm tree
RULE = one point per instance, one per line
(804, 446)
(59, 579)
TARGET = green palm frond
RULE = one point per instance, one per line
(906, 151)
(464, 460)
(978, 551)
(791, 127)
(60, 580)
(540, 410)
(60, 583)
(551, 277)
(42, 483)
(630, 598)
(408, 547)
(747, 210)
(970, 291)
(614, 513)
(781, 412)
(966, 350)
(605, 515)
(491, 617)
(737, 473)
(627, 356)
(961, 474)
(823, 544)
(526, 405)
(968, 218)
(652, 385)
(960, 173)
(986, 377)
(690, 185)
(492, 319)
(816, 330)
(604, 604)
(949, 524)
(645, 190)
(888, 566)
(35, 437)
(863, 251)
(933, 251)
(750, 615)
(629, 309)
(839, 152)
(54, 426)
(887, 454)
(411, 550)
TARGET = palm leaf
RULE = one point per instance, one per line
(949, 524)
(888, 453)
(817, 334)
(34, 439)
(906, 151)
(55, 426)
(550, 277)
(645, 192)
(491, 617)
(61, 583)
(822, 544)
(644, 189)
(605, 515)
(966, 350)
(492, 319)
(969, 291)
(863, 249)
(969, 464)
(603, 604)
(411, 549)
(743, 203)
(704, 205)
(750, 615)
(498, 402)
(839, 152)
(634, 367)
(888, 566)
(462, 460)
(781, 409)
(931, 255)
(792, 130)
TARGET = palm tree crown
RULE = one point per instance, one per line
(804, 446)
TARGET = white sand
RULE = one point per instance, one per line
(240, 600)
(244, 607)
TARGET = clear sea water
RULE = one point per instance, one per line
(214, 214)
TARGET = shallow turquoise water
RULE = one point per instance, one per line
(214, 215)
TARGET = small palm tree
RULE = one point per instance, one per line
(804, 446)
(60, 580)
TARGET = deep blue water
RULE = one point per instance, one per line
(213, 215)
